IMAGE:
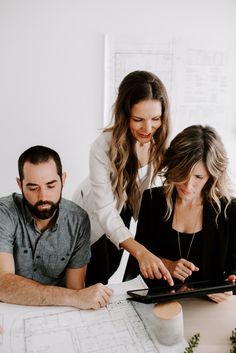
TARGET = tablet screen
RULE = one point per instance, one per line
(181, 290)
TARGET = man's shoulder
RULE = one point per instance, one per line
(11, 201)
(11, 208)
(71, 208)
(72, 217)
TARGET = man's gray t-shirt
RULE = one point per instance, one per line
(44, 256)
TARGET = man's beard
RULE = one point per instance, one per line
(42, 213)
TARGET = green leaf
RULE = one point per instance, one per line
(192, 343)
(233, 341)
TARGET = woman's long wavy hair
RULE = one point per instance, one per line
(137, 86)
(197, 143)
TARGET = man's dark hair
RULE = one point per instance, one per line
(36, 155)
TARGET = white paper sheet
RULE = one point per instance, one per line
(117, 328)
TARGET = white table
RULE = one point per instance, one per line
(65, 327)
(214, 322)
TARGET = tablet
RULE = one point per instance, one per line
(154, 295)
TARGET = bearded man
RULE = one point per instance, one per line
(45, 239)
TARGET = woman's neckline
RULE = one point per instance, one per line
(186, 234)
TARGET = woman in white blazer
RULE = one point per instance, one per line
(124, 161)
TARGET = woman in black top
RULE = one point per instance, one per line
(190, 222)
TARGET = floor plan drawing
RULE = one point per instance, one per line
(117, 328)
(122, 326)
(114, 329)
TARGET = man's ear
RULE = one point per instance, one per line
(63, 178)
(19, 183)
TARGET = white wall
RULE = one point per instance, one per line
(52, 68)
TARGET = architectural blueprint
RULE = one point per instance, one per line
(117, 328)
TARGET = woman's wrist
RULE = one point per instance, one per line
(140, 252)
(134, 248)
(166, 262)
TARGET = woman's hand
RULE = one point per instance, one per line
(152, 267)
(180, 269)
(231, 278)
(220, 297)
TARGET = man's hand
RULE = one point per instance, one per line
(152, 267)
(93, 297)
(180, 269)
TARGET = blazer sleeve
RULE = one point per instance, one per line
(231, 256)
(105, 204)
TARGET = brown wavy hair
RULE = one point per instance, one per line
(197, 143)
(137, 86)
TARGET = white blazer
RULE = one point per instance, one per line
(95, 194)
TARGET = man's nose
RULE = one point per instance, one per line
(42, 194)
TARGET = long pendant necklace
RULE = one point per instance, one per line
(190, 246)
(191, 243)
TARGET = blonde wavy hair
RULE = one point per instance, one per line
(137, 86)
(197, 143)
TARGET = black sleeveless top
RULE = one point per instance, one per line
(170, 242)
